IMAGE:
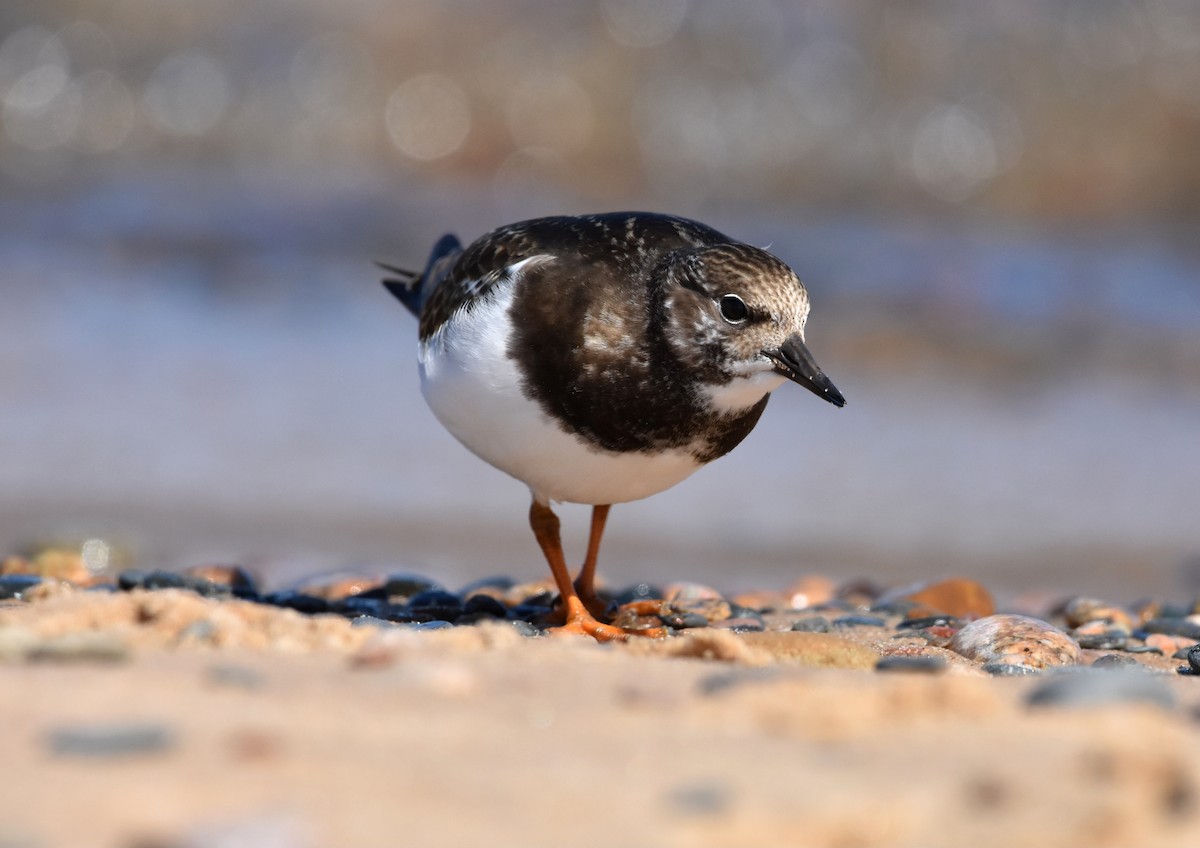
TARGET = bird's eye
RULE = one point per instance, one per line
(734, 309)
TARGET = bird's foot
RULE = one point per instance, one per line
(580, 622)
(597, 606)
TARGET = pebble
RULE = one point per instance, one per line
(1173, 627)
(999, 669)
(371, 621)
(1193, 659)
(1015, 640)
(684, 620)
(912, 664)
(762, 601)
(859, 621)
(1083, 687)
(51, 563)
(338, 587)
(484, 605)
(957, 596)
(525, 628)
(926, 621)
(298, 601)
(403, 585)
(1111, 661)
(13, 586)
(136, 578)
(1106, 640)
(1168, 645)
(713, 609)
(113, 740)
(740, 625)
(240, 582)
(1080, 612)
(437, 603)
(816, 624)
(673, 592)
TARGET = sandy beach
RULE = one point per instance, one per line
(162, 718)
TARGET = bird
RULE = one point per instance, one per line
(601, 359)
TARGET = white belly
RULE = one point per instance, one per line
(474, 389)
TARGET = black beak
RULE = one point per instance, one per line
(793, 361)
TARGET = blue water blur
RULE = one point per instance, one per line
(205, 370)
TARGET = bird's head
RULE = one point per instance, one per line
(736, 314)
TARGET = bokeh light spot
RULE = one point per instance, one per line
(188, 94)
(428, 116)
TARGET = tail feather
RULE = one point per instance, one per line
(412, 289)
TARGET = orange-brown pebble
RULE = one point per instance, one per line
(53, 563)
(1168, 644)
(1080, 612)
(1016, 640)
(762, 600)
(957, 596)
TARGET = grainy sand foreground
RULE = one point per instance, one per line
(125, 724)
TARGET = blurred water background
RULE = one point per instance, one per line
(994, 206)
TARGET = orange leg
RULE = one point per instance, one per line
(585, 583)
(579, 621)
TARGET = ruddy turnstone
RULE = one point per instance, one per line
(603, 358)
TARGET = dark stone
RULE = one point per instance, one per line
(1173, 627)
(1082, 687)
(436, 603)
(911, 664)
(929, 621)
(1141, 649)
(527, 612)
(637, 592)
(399, 614)
(1182, 653)
(996, 669)
(893, 608)
(116, 740)
(298, 601)
(1193, 658)
(404, 585)
(15, 585)
(739, 611)
(816, 624)
(137, 579)
(1110, 641)
(356, 605)
(207, 588)
(859, 621)
(684, 620)
(484, 605)
(741, 625)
